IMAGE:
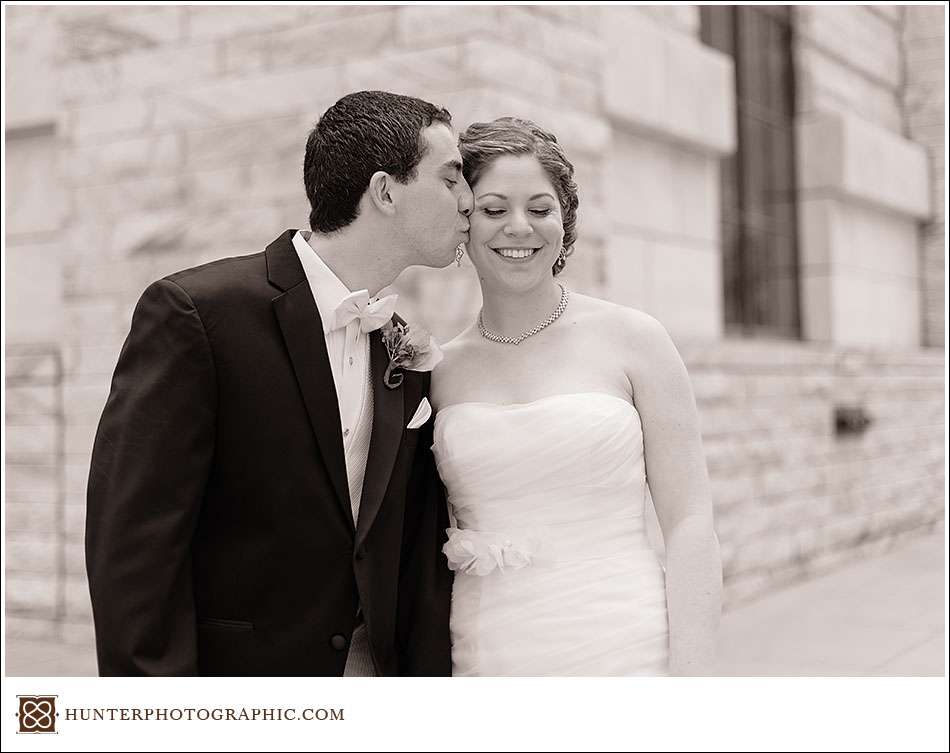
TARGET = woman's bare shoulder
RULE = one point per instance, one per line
(642, 344)
(458, 348)
(451, 370)
(630, 325)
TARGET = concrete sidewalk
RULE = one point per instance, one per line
(883, 616)
(880, 617)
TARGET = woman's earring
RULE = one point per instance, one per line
(459, 253)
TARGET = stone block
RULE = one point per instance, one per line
(687, 304)
(246, 54)
(110, 120)
(33, 295)
(651, 75)
(224, 21)
(129, 197)
(856, 36)
(31, 595)
(21, 625)
(238, 144)
(85, 82)
(115, 161)
(493, 63)
(733, 491)
(30, 91)
(825, 84)
(88, 319)
(563, 43)
(29, 482)
(302, 91)
(846, 158)
(90, 32)
(579, 92)
(167, 67)
(42, 205)
(34, 440)
(582, 17)
(31, 517)
(30, 403)
(32, 553)
(333, 40)
(717, 387)
(432, 74)
(434, 25)
(627, 257)
(656, 188)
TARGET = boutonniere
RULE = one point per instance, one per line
(410, 349)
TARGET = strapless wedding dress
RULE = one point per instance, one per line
(554, 574)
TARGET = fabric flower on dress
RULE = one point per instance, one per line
(480, 553)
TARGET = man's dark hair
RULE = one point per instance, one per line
(363, 132)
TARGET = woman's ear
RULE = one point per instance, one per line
(380, 192)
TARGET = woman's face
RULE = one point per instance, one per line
(516, 227)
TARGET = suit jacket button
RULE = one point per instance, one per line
(361, 553)
(338, 642)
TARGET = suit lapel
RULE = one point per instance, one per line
(388, 417)
(302, 328)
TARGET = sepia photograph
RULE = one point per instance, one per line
(476, 340)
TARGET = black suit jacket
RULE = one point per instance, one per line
(219, 534)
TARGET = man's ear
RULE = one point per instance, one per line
(380, 192)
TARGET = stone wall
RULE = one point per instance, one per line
(925, 121)
(864, 186)
(792, 497)
(37, 545)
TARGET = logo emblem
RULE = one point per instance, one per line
(37, 714)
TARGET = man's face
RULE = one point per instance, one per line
(432, 217)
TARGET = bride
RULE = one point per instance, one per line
(554, 409)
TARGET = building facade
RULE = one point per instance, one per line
(767, 181)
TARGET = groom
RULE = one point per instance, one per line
(262, 499)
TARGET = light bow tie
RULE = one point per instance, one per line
(371, 314)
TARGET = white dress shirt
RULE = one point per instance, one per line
(348, 349)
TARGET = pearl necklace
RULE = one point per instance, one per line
(494, 337)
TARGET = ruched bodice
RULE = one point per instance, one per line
(554, 572)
